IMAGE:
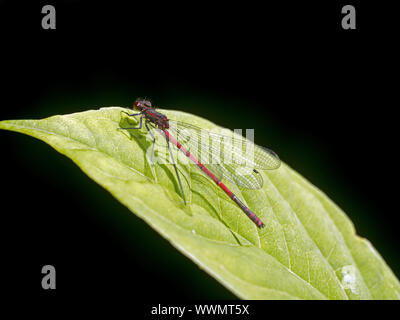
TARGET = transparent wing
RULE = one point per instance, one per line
(241, 176)
(232, 158)
(225, 148)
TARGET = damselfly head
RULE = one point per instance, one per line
(141, 103)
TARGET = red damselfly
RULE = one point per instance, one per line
(227, 163)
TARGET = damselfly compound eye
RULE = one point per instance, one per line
(140, 103)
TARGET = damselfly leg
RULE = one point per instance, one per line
(176, 170)
(154, 141)
(146, 124)
(140, 122)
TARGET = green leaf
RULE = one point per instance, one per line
(308, 249)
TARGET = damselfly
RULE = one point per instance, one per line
(238, 162)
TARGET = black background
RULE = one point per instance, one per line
(324, 99)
